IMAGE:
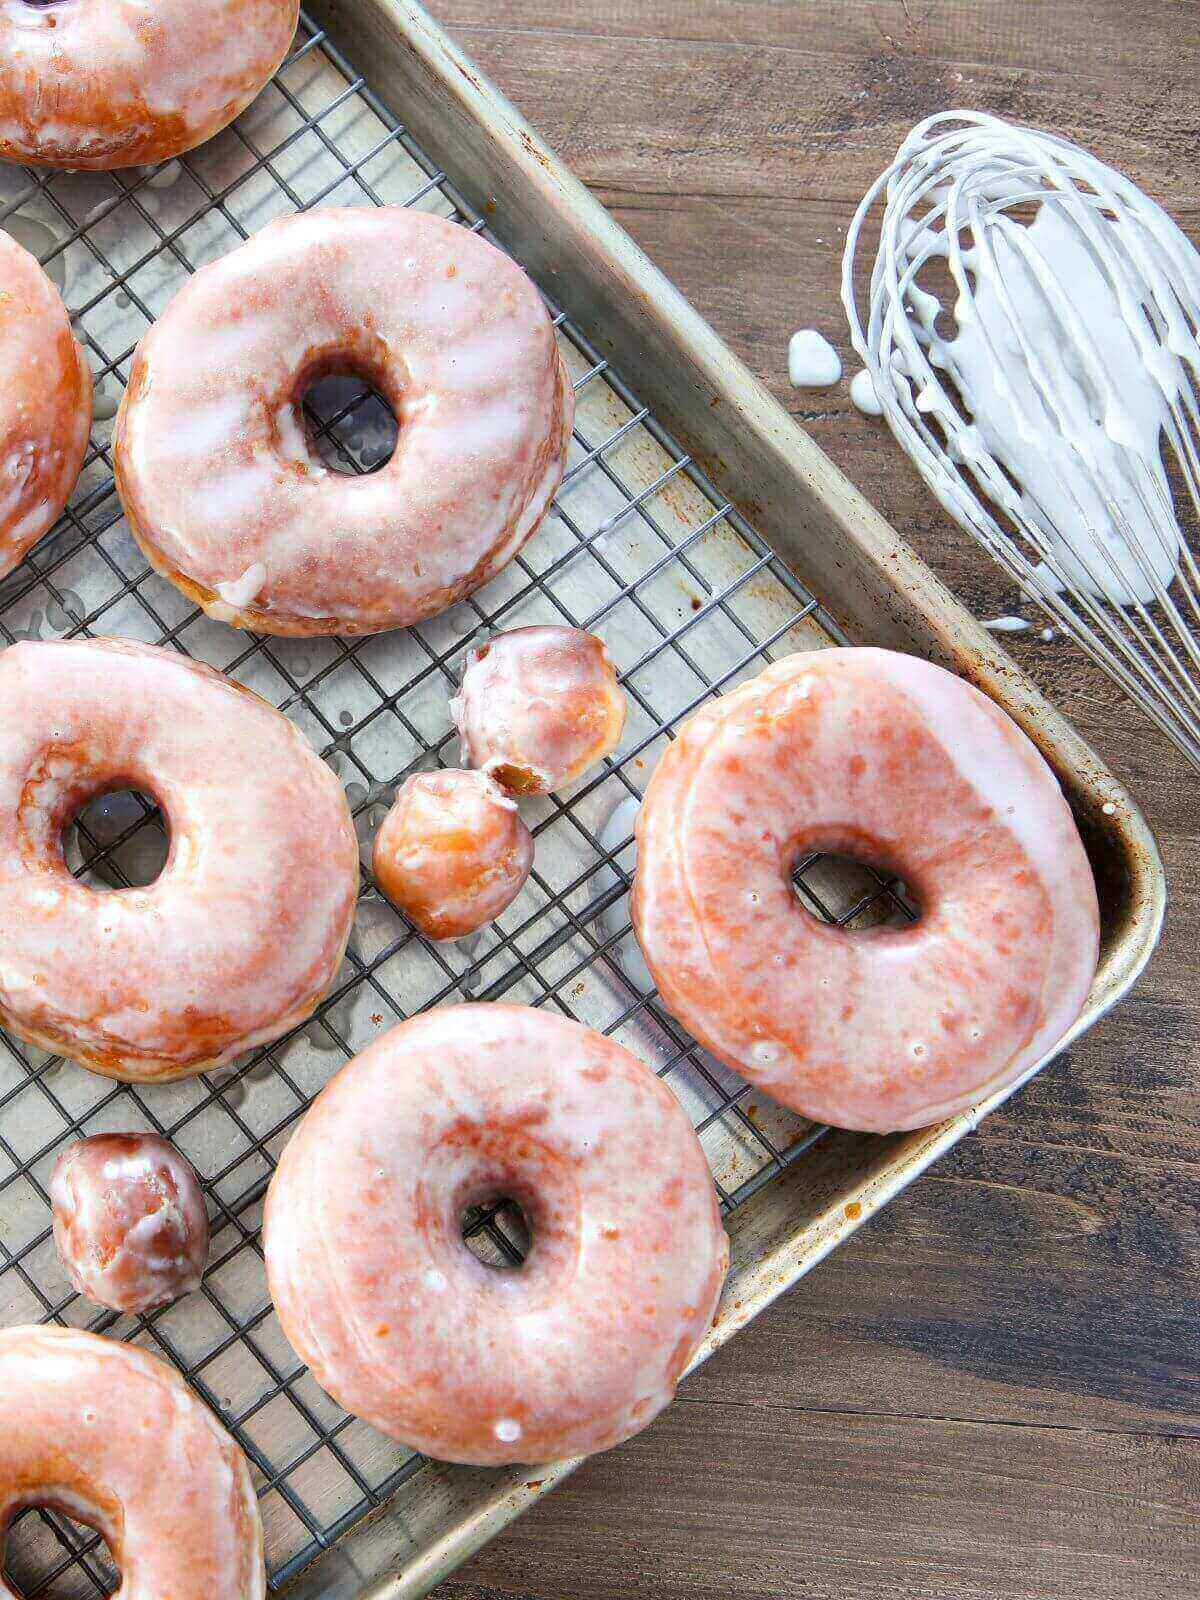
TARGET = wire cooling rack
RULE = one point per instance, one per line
(639, 548)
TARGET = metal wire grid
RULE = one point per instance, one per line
(640, 548)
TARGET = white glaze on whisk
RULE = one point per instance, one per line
(1069, 363)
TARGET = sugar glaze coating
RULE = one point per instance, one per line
(45, 403)
(892, 760)
(538, 706)
(129, 1220)
(221, 484)
(243, 931)
(114, 1438)
(571, 1352)
(115, 83)
(452, 853)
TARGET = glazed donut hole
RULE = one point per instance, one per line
(130, 1224)
(452, 853)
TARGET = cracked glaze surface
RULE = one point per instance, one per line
(119, 83)
(538, 706)
(219, 478)
(114, 1438)
(45, 403)
(452, 853)
(884, 757)
(130, 1225)
(570, 1353)
(243, 931)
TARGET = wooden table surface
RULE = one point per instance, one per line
(992, 1391)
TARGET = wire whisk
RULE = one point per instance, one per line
(1031, 331)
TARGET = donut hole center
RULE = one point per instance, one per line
(118, 839)
(848, 889)
(351, 425)
(52, 1555)
(497, 1231)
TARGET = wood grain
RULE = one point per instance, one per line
(993, 1390)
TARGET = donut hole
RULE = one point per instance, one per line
(853, 892)
(54, 1556)
(497, 1232)
(351, 427)
(117, 840)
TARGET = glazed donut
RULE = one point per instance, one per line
(221, 484)
(113, 1438)
(898, 763)
(571, 1352)
(452, 853)
(45, 405)
(538, 706)
(129, 1220)
(116, 83)
(242, 933)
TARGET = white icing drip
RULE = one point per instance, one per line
(105, 403)
(863, 396)
(813, 363)
(1007, 624)
(240, 591)
(1072, 359)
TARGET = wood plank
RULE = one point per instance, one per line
(818, 108)
(798, 1504)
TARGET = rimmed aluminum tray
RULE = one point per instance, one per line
(699, 531)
